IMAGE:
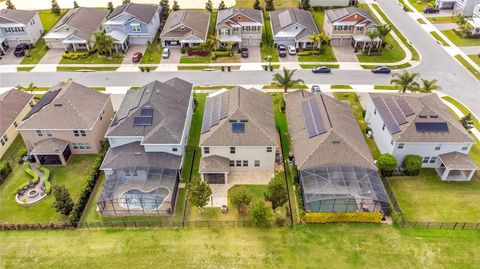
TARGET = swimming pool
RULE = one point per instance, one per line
(137, 199)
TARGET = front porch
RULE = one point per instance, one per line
(121, 43)
(74, 46)
(364, 43)
(456, 166)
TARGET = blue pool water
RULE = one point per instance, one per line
(137, 199)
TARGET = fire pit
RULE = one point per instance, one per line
(32, 193)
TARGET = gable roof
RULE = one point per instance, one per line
(282, 19)
(85, 20)
(168, 100)
(428, 105)
(16, 16)
(337, 14)
(225, 15)
(66, 106)
(196, 20)
(143, 12)
(243, 104)
(342, 143)
(12, 103)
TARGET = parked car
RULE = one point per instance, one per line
(282, 50)
(381, 70)
(137, 56)
(21, 49)
(315, 89)
(165, 53)
(244, 52)
(429, 9)
(321, 69)
(292, 50)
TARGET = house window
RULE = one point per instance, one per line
(81, 146)
(128, 173)
(383, 127)
(257, 163)
(465, 147)
(375, 111)
(4, 140)
(87, 146)
(39, 132)
(232, 163)
(136, 27)
(49, 133)
(15, 124)
(401, 145)
(269, 149)
(206, 150)
(83, 133)
(174, 149)
(433, 159)
(238, 163)
(232, 150)
(75, 146)
(76, 133)
(438, 147)
(245, 163)
(425, 159)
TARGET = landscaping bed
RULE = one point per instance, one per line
(90, 57)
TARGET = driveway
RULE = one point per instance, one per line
(471, 50)
(288, 58)
(446, 26)
(127, 57)
(53, 56)
(174, 58)
(9, 58)
(254, 55)
(345, 54)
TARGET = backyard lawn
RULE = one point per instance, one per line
(459, 41)
(304, 246)
(279, 4)
(49, 19)
(93, 58)
(426, 198)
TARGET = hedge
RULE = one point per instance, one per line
(324, 217)
(217, 54)
(5, 170)
(87, 189)
(308, 53)
(28, 170)
(46, 178)
(412, 165)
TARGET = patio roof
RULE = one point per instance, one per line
(458, 161)
(74, 40)
(230, 38)
(51, 146)
(214, 164)
(364, 38)
(119, 36)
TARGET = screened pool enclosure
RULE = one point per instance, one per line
(343, 189)
(141, 190)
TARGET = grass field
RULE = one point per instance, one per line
(439, 39)
(49, 19)
(427, 198)
(305, 246)
(398, 66)
(475, 58)
(386, 87)
(194, 60)
(267, 47)
(459, 41)
(309, 66)
(93, 58)
(468, 66)
(279, 4)
(463, 109)
(443, 19)
(84, 68)
(153, 53)
(340, 86)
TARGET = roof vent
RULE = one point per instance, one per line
(138, 153)
(422, 116)
(335, 142)
(58, 104)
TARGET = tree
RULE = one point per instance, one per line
(19, 87)
(372, 35)
(257, 5)
(316, 39)
(212, 42)
(222, 5)
(406, 80)
(259, 215)
(383, 30)
(387, 164)
(55, 8)
(63, 201)
(276, 192)
(110, 7)
(165, 5)
(75, 5)
(269, 5)
(412, 165)
(305, 4)
(104, 43)
(286, 79)
(240, 199)
(209, 5)
(429, 85)
(467, 121)
(199, 193)
(124, 2)
(31, 88)
(175, 6)
(9, 4)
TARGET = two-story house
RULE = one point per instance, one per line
(75, 30)
(336, 170)
(69, 119)
(133, 23)
(463, 7)
(293, 26)
(238, 139)
(185, 28)
(147, 143)
(420, 124)
(14, 106)
(349, 26)
(243, 26)
(475, 21)
(19, 26)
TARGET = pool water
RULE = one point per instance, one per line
(137, 199)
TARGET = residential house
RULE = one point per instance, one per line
(329, 3)
(75, 30)
(336, 170)
(69, 119)
(243, 26)
(349, 26)
(462, 7)
(19, 26)
(185, 28)
(474, 23)
(293, 26)
(14, 106)
(147, 139)
(420, 124)
(476, 11)
(133, 23)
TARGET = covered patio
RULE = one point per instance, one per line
(75, 44)
(120, 40)
(363, 42)
(214, 169)
(456, 166)
(52, 151)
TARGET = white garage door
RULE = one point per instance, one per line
(136, 40)
(251, 42)
(55, 45)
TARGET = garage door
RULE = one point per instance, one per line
(55, 45)
(251, 42)
(214, 178)
(339, 42)
(172, 43)
(138, 40)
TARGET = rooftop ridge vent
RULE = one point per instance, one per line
(58, 104)
(335, 142)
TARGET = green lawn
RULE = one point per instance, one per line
(421, 21)
(153, 53)
(310, 66)
(24, 69)
(267, 47)
(86, 69)
(326, 55)
(194, 60)
(340, 86)
(419, 5)
(468, 66)
(459, 41)
(212, 88)
(390, 54)
(398, 66)
(475, 58)
(279, 4)
(72, 175)
(438, 38)
(213, 20)
(463, 109)
(297, 86)
(93, 58)
(11, 153)
(49, 19)
(304, 246)
(386, 87)
(443, 19)
(427, 198)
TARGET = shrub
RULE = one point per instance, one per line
(23, 186)
(308, 53)
(20, 154)
(280, 220)
(217, 54)
(324, 217)
(63, 200)
(259, 214)
(5, 170)
(75, 55)
(240, 199)
(46, 178)
(28, 170)
(412, 165)
(387, 164)
(276, 192)
(183, 50)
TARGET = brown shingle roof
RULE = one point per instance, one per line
(224, 15)
(196, 20)
(12, 103)
(143, 12)
(85, 20)
(214, 164)
(282, 19)
(458, 161)
(15, 15)
(50, 146)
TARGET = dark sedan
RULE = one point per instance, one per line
(381, 70)
(244, 52)
(430, 10)
(282, 50)
(321, 69)
(21, 49)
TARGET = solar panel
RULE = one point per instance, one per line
(307, 117)
(238, 127)
(224, 105)
(131, 101)
(142, 121)
(424, 127)
(45, 100)
(317, 117)
(395, 110)
(387, 117)
(284, 18)
(313, 118)
(146, 112)
(216, 109)
(404, 106)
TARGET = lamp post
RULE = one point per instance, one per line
(269, 59)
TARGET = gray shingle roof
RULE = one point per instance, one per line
(282, 19)
(224, 14)
(74, 107)
(85, 20)
(342, 143)
(340, 13)
(214, 164)
(169, 101)
(50, 146)
(15, 15)
(143, 12)
(427, 104)
(196, 20)
(244, 104)
(458, 161)
(12, 103)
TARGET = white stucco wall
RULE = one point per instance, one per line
(267, 159)
(382, 138)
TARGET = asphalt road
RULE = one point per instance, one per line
(436, 63)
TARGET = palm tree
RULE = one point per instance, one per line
(212, 42)
(316, 39)
(372, 35)
(286, 79)
(31, 88)
(104, 43)
(19, 87)
(383, 31)
(429, 85)
(406, 80)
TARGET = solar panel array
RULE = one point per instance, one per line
(284, 18)
(386, 115)
(406, 109)
(423, 127)
(131, 101)
(45, 100)
(393, 111)
(145, 118)
(312, 118)
(238, 127)
(396, 111)
(216, 109)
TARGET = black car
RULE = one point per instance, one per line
(20, 49)
(381, 70)
(244, 52)
(321, 69)
(282, 50)
(315, 89)
(428, 10)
